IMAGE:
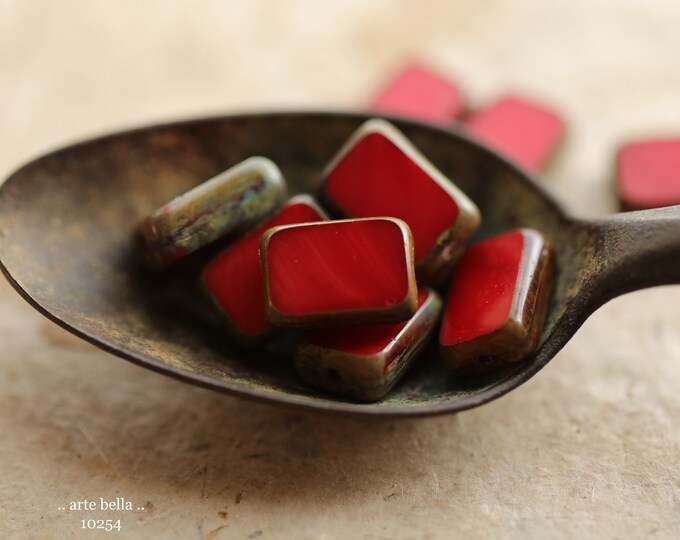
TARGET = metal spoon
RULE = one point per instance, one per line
(66, 219)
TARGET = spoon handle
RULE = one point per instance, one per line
(637, 250)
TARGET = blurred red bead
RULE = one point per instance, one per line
(524, 131)
(648, 174)
(420, 93)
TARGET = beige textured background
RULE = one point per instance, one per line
(590, 448)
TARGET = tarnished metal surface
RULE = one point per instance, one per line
(65, 244)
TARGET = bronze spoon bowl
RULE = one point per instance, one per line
(65, 244)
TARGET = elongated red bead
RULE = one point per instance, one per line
(378, 172)
(365, 362)
(338, 273)
(420, 93)
(234, 278)
(526, 132)
(496, 302)
(648, 174)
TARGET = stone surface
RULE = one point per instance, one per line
(378, 172)
(339, 273)
(234, 278)
(496, 302)
(525, 131)
(363, 363)
(589, 448)
(421, 93)
(648, 174)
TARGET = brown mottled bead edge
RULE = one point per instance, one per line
(396, 313)
(449, 246)
(230, 201)
(515, 339)
(368, 378)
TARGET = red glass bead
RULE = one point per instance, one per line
(365, 362)
(378, 172)
(648, 174)
(497, 301)
(527, 133)
(420, 93)
(234, 279)
(339, 273)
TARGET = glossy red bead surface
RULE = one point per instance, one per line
(648, 174)
(420, 93)
(377, 178)
(234, 277)
(339, 272)
(379, 173)
(482, 289)
(526, 132)
(497, 302)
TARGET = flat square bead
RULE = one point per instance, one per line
(648, 174)
(364, 363)
(526, 132)
(497, 302)
(339, 273)
(420, 93)
(235, 199)
(378, 172)
(233, 279)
